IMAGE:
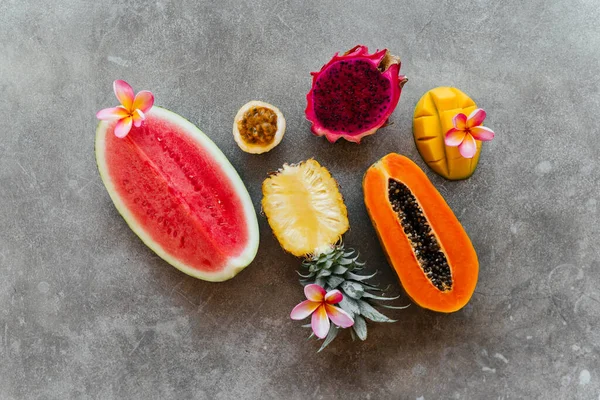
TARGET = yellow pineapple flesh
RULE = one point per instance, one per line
(305, 208)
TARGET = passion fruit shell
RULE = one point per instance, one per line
(258, 127)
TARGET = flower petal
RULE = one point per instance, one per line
(476, 118)
(468, 147)
(304, 309)
(339, 316)
(124, 93)
(333, 296)
(482, 133)
(460, 121)
(123, 127)
(138, 117)
(144, 100)
(314, 292)
(320, 322)
(454, 137)
(110, 114)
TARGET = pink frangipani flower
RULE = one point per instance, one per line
(466, 130)
(132, 110)
(320, 305)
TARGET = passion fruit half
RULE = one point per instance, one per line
(258, 127)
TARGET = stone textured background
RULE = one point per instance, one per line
(88, 312)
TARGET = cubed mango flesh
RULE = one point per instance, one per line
(432, 119)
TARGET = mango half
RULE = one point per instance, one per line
(432, 119)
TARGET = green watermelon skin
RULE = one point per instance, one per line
(178, 192)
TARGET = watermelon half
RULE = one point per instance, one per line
(180, 195)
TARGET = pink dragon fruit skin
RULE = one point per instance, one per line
(354, 94)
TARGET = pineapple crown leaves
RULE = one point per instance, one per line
(338, 268)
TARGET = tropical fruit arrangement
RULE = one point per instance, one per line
(178, 192)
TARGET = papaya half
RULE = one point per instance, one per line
(422, 238)
(432, 119)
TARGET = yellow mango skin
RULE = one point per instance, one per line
(432, 119)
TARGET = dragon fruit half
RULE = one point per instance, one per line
(354, 94)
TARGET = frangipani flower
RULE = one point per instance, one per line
(466, 130)
(132, 110)
(320, 305)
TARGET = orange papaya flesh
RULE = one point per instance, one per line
(423, 240)
(432, 119)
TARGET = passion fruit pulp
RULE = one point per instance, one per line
(258, 127)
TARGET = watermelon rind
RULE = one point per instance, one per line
(234, 265)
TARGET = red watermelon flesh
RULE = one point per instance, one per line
(180, 192)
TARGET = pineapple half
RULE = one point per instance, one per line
(305, 208)
(307, 214)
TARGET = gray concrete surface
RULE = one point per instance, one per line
(88, 312)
